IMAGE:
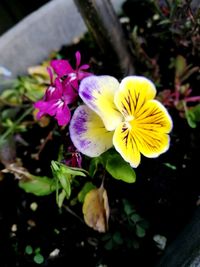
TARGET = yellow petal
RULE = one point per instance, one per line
(153, 116)
(150, 144)
(146, 134)
(96, 209)
(150, 129)
(125, 143)
(133, 93)
(88, 132)
(98, 93)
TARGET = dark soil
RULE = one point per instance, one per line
(164, 196)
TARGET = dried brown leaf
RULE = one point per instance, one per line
(96, 209)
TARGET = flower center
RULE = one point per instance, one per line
(130, 118)
(72, 76)
(51, 89)
(59, 103)
(130, 121)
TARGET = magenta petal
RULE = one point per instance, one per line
(78, 59)
(52, 107)
(50, 74)
(71, 80)
(55, 91)
(69, 93)
(61, 67)
(74, 84)
(47, 107)
(63, 115)
(72, 77)
(40, 114)
(41, 105)
(51, 93)
(43, 108)
(59, 88)
(83, 74)
(84, 67)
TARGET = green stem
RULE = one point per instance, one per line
(12, 128)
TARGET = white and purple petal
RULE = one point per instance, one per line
(88, 133)
(98, 93)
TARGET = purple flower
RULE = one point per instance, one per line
(63, 91)
(55, 104)
(72, 76)
(74, 159)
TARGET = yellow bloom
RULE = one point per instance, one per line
(124, 114)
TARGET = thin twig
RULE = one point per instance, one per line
(73, 213)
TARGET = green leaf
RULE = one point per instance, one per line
(94, 166)
(8, 113)
(37, 250)
(39, 186)
(118, 238)
(65, 181)
(190, 119)
(164, 21)
(193, 116)
(119, 169)
(140, 232)
(58, 167)
(135, 244)
(171, 166)
(61, 198)
(38, 258)
(75, 171)
(135, 218)
(28, 250)
(180, 65)
(106, 237)
(109, 245)
(85, 189)
(196, 111)
(106, 155)
(188, 72)
(128, 208)
(144, 224)
(11, 96)
(101, 160)
(65, 174)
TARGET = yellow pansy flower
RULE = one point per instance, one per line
(124, 115)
